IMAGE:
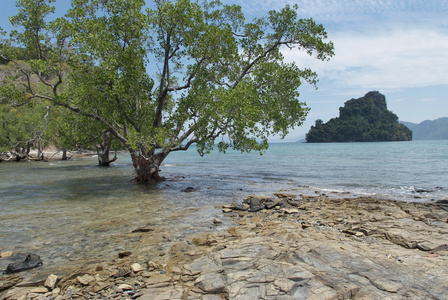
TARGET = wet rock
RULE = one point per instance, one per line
(124, 254)
(256, 204)
(189, 189)
(31, 261)
(142, 230)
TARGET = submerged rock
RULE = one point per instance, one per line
(31, 261)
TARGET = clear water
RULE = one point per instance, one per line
(74, 213)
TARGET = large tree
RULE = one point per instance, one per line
(169, 74)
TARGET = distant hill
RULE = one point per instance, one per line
(365, 119)
(429, 130)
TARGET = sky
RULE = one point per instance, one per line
(396, 47)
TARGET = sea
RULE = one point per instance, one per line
(74, 213)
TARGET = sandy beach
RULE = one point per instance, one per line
(285, 246)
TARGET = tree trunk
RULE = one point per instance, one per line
(64, 154)
(104, 156)
(103, 151)
(146, 165)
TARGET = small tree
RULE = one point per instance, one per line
(175, 74)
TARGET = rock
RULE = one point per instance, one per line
(270, 203)
(124, 254)
(227, 210)
(284, 195)
(31, 261)
(142, 230)
(6, 254)
(136, 268)
(236, 206)
(86, 279)
(51, 281)
(189, 189)
(256, 204)
(55, 292)
(154, 266)
(217, 221)
(212, 283)
(121, 272)
(290, 211)
(39, 290)
(125, 287)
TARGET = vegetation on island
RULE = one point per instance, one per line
(365, 119)
(162, 76)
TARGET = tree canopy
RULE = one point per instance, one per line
(163, 76)
(365, 119)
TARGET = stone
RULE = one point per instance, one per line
(55, 292)
(136, 268)
(256, 204)
(124, 254)
(39, 290)
(51, 281)
(125, 287)
(217, 221)
(85, 279)
(154, 266)
(290, 211)
(211, 283)
(6, 254)
(31, 261)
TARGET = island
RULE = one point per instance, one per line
(365, 119)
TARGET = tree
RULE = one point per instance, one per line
(178, 73)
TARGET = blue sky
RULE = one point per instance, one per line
(397, 47)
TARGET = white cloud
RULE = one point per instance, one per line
(390, 59)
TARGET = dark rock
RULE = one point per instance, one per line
(255, 204)
(124, 254)
(423, 191)
(142, 230)
(270, 203)
(189, 189)
(31, 261)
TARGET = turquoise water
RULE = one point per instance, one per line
(74, 213)
(390, 169)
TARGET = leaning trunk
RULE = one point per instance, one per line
(147, 165)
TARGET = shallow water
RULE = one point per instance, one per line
(73, 213)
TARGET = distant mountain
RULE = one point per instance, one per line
(429, 130)
(365, 119)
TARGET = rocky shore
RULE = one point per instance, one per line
(283, 247)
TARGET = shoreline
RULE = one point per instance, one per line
(49, 154)
(300, 247)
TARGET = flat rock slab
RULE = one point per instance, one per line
(350, 249)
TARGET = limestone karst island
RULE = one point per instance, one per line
(365, 119)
